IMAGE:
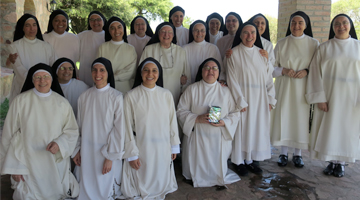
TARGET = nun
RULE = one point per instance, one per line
(152, 139)
(64, 70)
(140, 34)
(99, 150)
(90, 41)
(176, 18)
(39, 135)
(216, 27)
(250, 81)
(290, 119)
(210, 142)
(333, 84)
(162, 47)
(199, 47)
(28, 49)
(121, 54)
(65, 44)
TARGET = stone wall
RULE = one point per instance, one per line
(319, 12)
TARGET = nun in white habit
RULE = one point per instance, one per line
(65, 44)
(333, 84)
(140, 34)
(39, 135)
(27, 50)
(216, 27)
(90, 41)
(290, 118)
(121, 54)
(99, 150)
(199, 47)
(208, 145)
(163, 48)
(176, 17)
(152, 139)
(250, 81)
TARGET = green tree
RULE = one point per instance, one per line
(349, 7)
(273, 28)
(152, 9)
(187, 22)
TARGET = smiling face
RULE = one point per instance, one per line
(140, 27)
(96, 23)
(210, 72)
(297, 26)
(99, 75)
(30, 29)
(177, 18)
(248, 35)
(60, 24)
(42, 82)
(65, 73)
(214, 26)
(116, 31)
(260, 24)
(232, 24)
(166, 36)
(150, 74)
(199, 32)
(341, 27)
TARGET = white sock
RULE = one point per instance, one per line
(297, 152)
(248, 162)
(284, 150)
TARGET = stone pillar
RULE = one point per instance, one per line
(319, 12)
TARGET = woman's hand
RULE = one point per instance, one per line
(221, 123)
(203, 118)
(270, 107)
(264, 53)
(243, 110)
(77, 159)
(107, 166)
(223, 83)
(11, 58)
(228, 53)
(135, 164)
(173, 156)
(52, 147)
(18, 178)
(323, 106)
(300, 74)
(288, 72)
(183, 79)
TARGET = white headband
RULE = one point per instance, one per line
(147, 62)
(119, 22)
(98, 63)
(97, 15)
(60, 66)
(213, 19)
(41, 70)
(165, 26)
(30, 18)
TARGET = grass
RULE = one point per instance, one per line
(4, 107)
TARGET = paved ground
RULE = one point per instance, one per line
(288, 183)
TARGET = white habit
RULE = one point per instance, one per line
(174, 65)
(139, 43)
(65, 45)
(101, 123)
(123, 60)
(182, 36)
(207, 147)
(334, 78)
(215, 38)
(225, 43)
(250, 81)
(268, 46)
(33, 122)
(90, 42)
(150, 114)
(72, 90)
(196, 53)
(30, 53)
(290, 118)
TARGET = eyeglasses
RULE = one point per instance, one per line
(208, 68)
(168, 32)
(199, 31)
(45, 77)
(95, 20)
(344, 23)
(66, 68)
(229, 21)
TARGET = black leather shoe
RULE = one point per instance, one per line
(329, 170)
(298, 161)
(283, 159)
(241, 170)
(338, 171)
(254, 168)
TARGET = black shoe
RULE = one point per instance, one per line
(257, 163)
(283, 159)
(254, 168)
(298, 161)
(241, 169)
(338, 171)
(219, 188)
(188, 181)
(329, 170)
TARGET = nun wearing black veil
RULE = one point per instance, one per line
(333, 84)
(207, 146)
(28, 49)
(250, 81)
(140, 34)
(99, 150)
(216, 27)
(290, 118)
(152, 139)
(176, 18)
(39, 135)
(122, 55)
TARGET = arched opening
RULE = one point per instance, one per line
(29, 7)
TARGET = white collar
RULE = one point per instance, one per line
(66, 84)
(57, 34)
(42, 94)
(103, 89)
(140, 38)
(300, 37)
(28, 40)
(117, 42)
(209, 84)
(148, 89)
(200, 43)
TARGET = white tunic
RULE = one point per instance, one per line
(150, 114)
(139, 43)
(33, 122)
(196, 53)
(101, 123)
(334, 78)
(90, 42)
(30, 53)
(290, 118)
(250, 81)
(174, 64)
(268, 46)
(123, 60)
(215, 38)
(225, 43)
(182, 36)
(65, 45)
(210, 146)
(72, 90)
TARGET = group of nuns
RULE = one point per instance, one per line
(122, 114)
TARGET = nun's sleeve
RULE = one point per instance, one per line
(131, 149)
(277, 67)
(185, 117)
(51, 53)
(233, 84)
(186, 71)
(270, 86)
(79, 119)
(127, 72)
(174, 129)
(18, 67)
(231, 120)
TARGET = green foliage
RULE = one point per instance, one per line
(187, 22)
(349, 7)
(4, 107)
(273, 28)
